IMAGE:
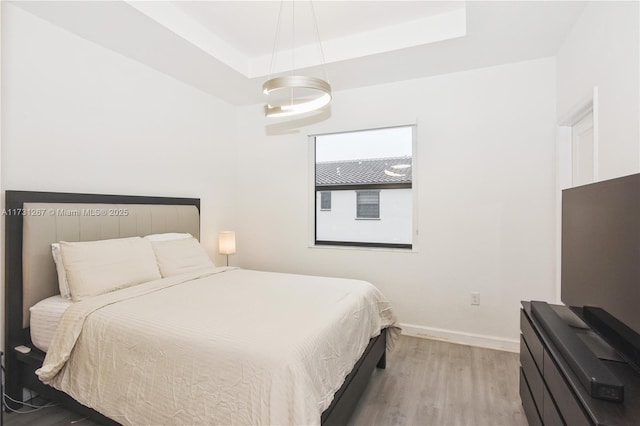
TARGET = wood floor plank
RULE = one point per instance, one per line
(426, 382)
(429, 382)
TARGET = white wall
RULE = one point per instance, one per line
(82, 118)
(79, 118)
(603, 49)
(485, 176)
(340, 223)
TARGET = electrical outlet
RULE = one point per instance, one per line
(475, 298)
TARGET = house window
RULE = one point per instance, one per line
(368, 204)
(325, 201)
(368, 173)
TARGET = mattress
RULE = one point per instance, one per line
(230, 347)
(45, 316)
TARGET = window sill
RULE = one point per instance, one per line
(360, 248)
(412, 249)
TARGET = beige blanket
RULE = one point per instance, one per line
(231, 347)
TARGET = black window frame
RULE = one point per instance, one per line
(360, 187)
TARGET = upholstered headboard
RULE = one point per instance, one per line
(46, 223)
(34, 220)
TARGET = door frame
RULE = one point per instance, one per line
(564, 162)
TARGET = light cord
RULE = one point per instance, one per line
(275, 41)
(315, 24)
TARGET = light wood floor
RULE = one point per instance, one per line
(426, 382)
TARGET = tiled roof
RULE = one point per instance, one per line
(362, 172)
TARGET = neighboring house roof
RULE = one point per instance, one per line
(363, 172)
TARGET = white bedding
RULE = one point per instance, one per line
(45, 316)
(239, 347)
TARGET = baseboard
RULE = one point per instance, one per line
(461, 338)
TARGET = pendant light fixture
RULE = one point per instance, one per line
(305, 93)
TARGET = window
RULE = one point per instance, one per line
(364, 188)
(368, 204)
(325, 201)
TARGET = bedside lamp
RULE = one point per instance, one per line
(227, 243)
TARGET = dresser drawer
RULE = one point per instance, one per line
(533, 341)
(563, 395)
(533, 376)
(550, 414)
(530, 409)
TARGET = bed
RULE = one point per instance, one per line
(263, 386)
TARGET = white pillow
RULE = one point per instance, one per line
(168, 236)
(63, 285)
(180, 256)
(98, 267)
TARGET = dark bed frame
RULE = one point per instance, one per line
(20, 368)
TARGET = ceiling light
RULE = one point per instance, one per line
(401, 166)
(297, 106)
(305, 93)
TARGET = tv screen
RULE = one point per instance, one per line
(601, 248)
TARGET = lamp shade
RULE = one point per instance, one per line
(227, 242)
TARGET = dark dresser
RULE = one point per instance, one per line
(550, 391)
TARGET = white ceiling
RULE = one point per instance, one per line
(244, 34)
(250, 26)
(225, 47)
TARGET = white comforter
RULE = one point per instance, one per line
(229, 347)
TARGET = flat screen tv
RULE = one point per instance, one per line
(601, 256)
